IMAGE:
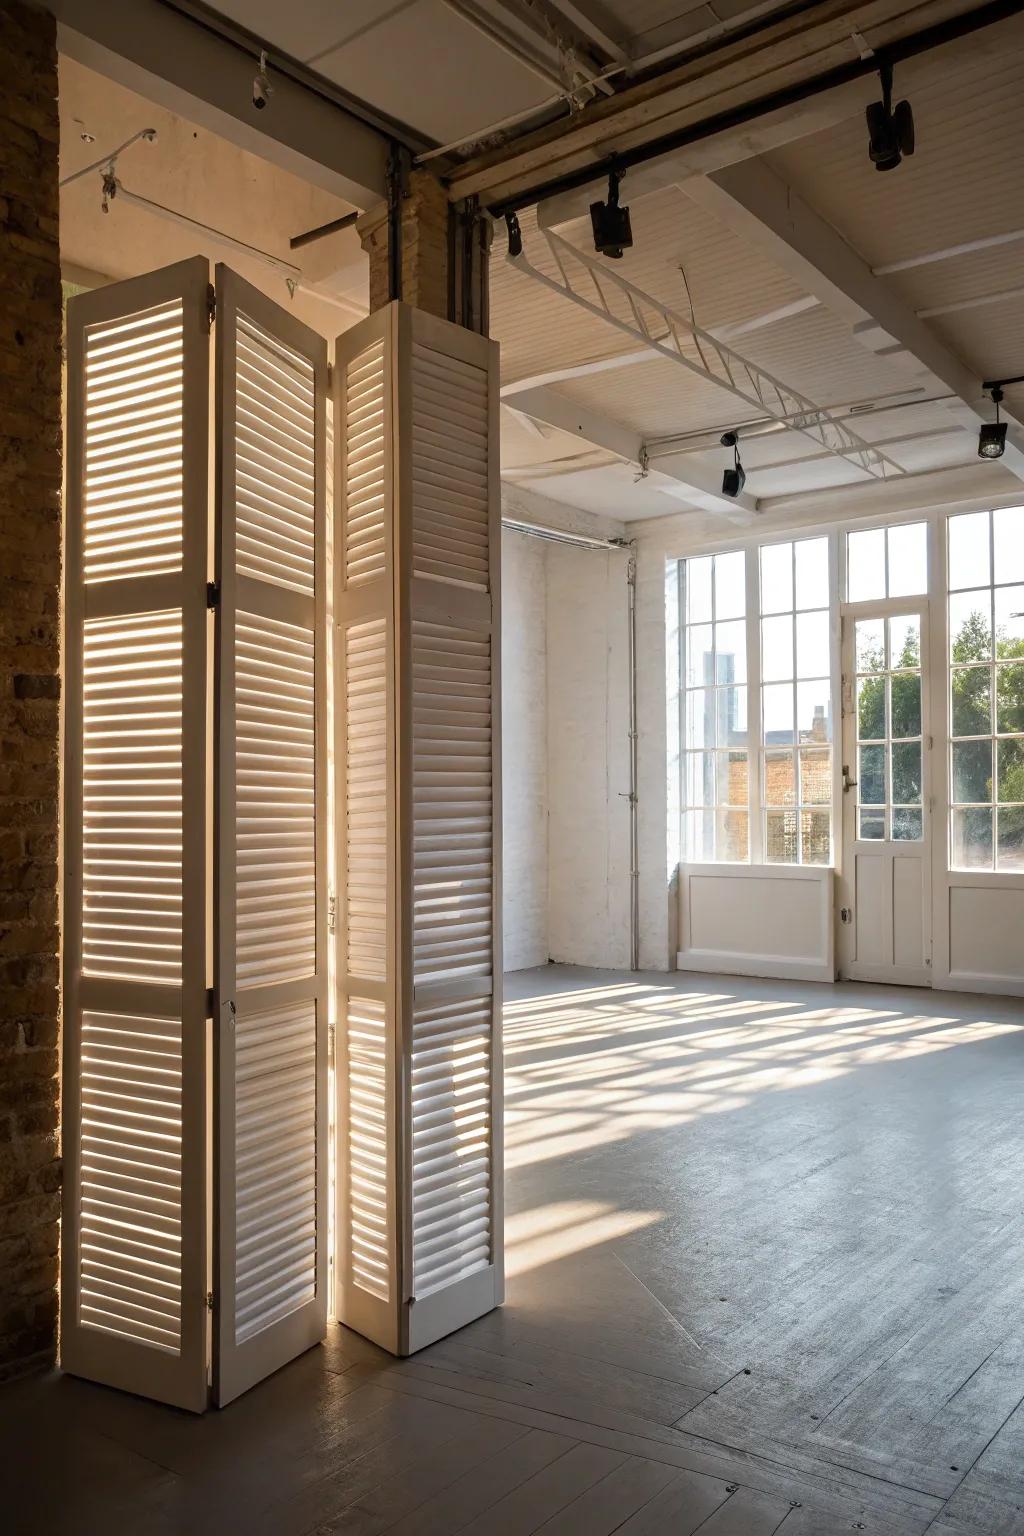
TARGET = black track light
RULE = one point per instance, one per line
(613, 233)
(733, 480)
(890, 129)
(992, 437)
(515, 234)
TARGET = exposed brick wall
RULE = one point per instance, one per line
(30, 549)
(424, 247)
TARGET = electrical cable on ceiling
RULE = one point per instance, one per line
(108, 162)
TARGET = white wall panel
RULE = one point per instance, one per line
(756, 920)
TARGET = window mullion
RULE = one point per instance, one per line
(755, 759)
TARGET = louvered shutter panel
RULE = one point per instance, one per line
(417, 542)
(270, 867)
(134, 1235)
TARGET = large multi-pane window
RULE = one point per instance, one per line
(784, 780)
(796, 703)
(887, 562)
(986, 656)
(715, 759)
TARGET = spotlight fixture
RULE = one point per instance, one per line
(262, 90)
(733, 480)
(515, 234)
(992, 437)
(890, 129)
(612, 231)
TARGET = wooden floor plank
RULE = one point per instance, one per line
(480, 1489)
(682, 1507)
(527, 1507)
(605, 1506)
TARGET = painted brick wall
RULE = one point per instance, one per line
(30, 550)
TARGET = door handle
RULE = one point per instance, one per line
(848, 783)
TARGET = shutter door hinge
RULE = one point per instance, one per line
(209, 1301)
(332, 913)
(209, 1002)
(330, 377)
(211, 306)
(213, 594)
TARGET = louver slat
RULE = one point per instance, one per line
(132, 445)
(364, 471)
(365, 811)
(134, 1266)
(275, 801)
(450, 466)
(271, 996)
(131, 789)
(452, 791)
(369, 1235)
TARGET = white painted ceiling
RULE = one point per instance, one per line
(422, 62)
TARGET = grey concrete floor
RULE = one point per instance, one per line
(766, 1259)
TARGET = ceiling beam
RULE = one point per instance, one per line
(205, 77)
(761, 208)
(587, 17)
(700, 486)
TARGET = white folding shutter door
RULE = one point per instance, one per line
(134, 1233)
(454, 1147)
(270, 868)
(419, 1066)
(367, 1245)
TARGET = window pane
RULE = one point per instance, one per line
(812, 573)
(1010, 853)
(815, 838)
(908, 559)
(815, 775)
(871, 775)
(906, 773)
(699, 718)
(732, 717)
(1008, 532)
(698, 590)
(777, 713)
(1010, 697)
(906, 703)
(870, 638)
(872, 826)
(699, 778)
(907, 826)
(812, 653)
(732, 836)
(970, 626)
(732, 778)
(972, 839)
(971, 690)
(776, 648)
(779, 778)
(972, 772)
(905, 641)
(776, 578)
(969, 564)
(865, 565)
(699, 836)
(1009, 621)
(813, 711)
(1010, 770)
(781, 837)
(731, 651)
(730, 586)
(698, 655)
(871, 708)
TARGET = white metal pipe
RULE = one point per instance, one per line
(559, 535)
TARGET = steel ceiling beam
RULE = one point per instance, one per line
(593, 286)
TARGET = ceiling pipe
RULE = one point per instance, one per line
(936, 36)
